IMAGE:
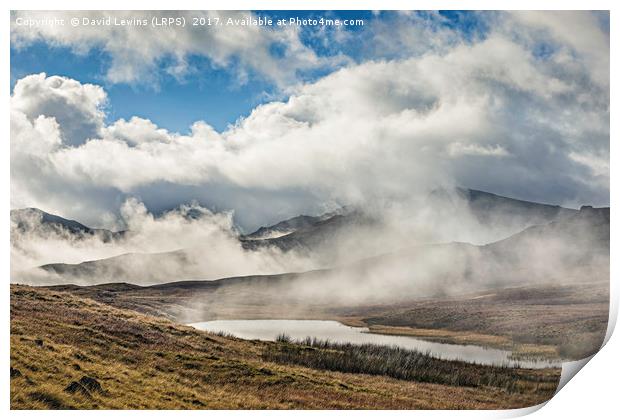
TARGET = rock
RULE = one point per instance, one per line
(91, 384)
(15, 372)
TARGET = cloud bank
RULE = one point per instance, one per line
(522, 110)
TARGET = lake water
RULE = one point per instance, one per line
(269, 329)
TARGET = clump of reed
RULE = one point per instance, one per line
(391, 361)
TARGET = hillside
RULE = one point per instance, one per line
(328, 240)
(34, 221)
(488, 206)
(573, 249)
(71, 352)
(125, 267)
(286, 227)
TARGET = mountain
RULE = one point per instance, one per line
(350, 236)
(35, 221)
(573, 242)
(490, 211)
(487, 205)
(285, 227)
(163, 266)
(311, 232)
(573, 249)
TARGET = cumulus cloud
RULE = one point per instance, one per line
(136, 131)
(77, 108)
(490, 114)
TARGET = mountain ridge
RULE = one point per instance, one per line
(305, 233)
(32, 219)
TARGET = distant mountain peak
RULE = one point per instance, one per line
(34, 220)
(291, 225)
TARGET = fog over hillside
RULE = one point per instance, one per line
(452, 241)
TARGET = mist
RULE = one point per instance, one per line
(189, 242)
(429, 245)
(569, 252)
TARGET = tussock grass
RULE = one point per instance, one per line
(390, 361)
(283, 338)
(224, 334)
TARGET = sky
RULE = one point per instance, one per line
(270, 122)
(212, 94)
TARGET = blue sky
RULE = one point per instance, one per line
(208, 93)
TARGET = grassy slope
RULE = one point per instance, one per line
(146, 362)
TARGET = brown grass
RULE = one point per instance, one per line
(444, 336)
(145, 362)
(519, 351)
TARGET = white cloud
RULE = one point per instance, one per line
(135, 131)
(578, 33)
(599, 165)
(76, 107)
(459, 149)
(36, 137)
(137, 52)
(377, 129)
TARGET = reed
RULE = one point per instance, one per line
(391, 361)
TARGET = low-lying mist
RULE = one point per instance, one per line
(429, 245)
(189, 242)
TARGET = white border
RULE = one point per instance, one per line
(593, 394)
